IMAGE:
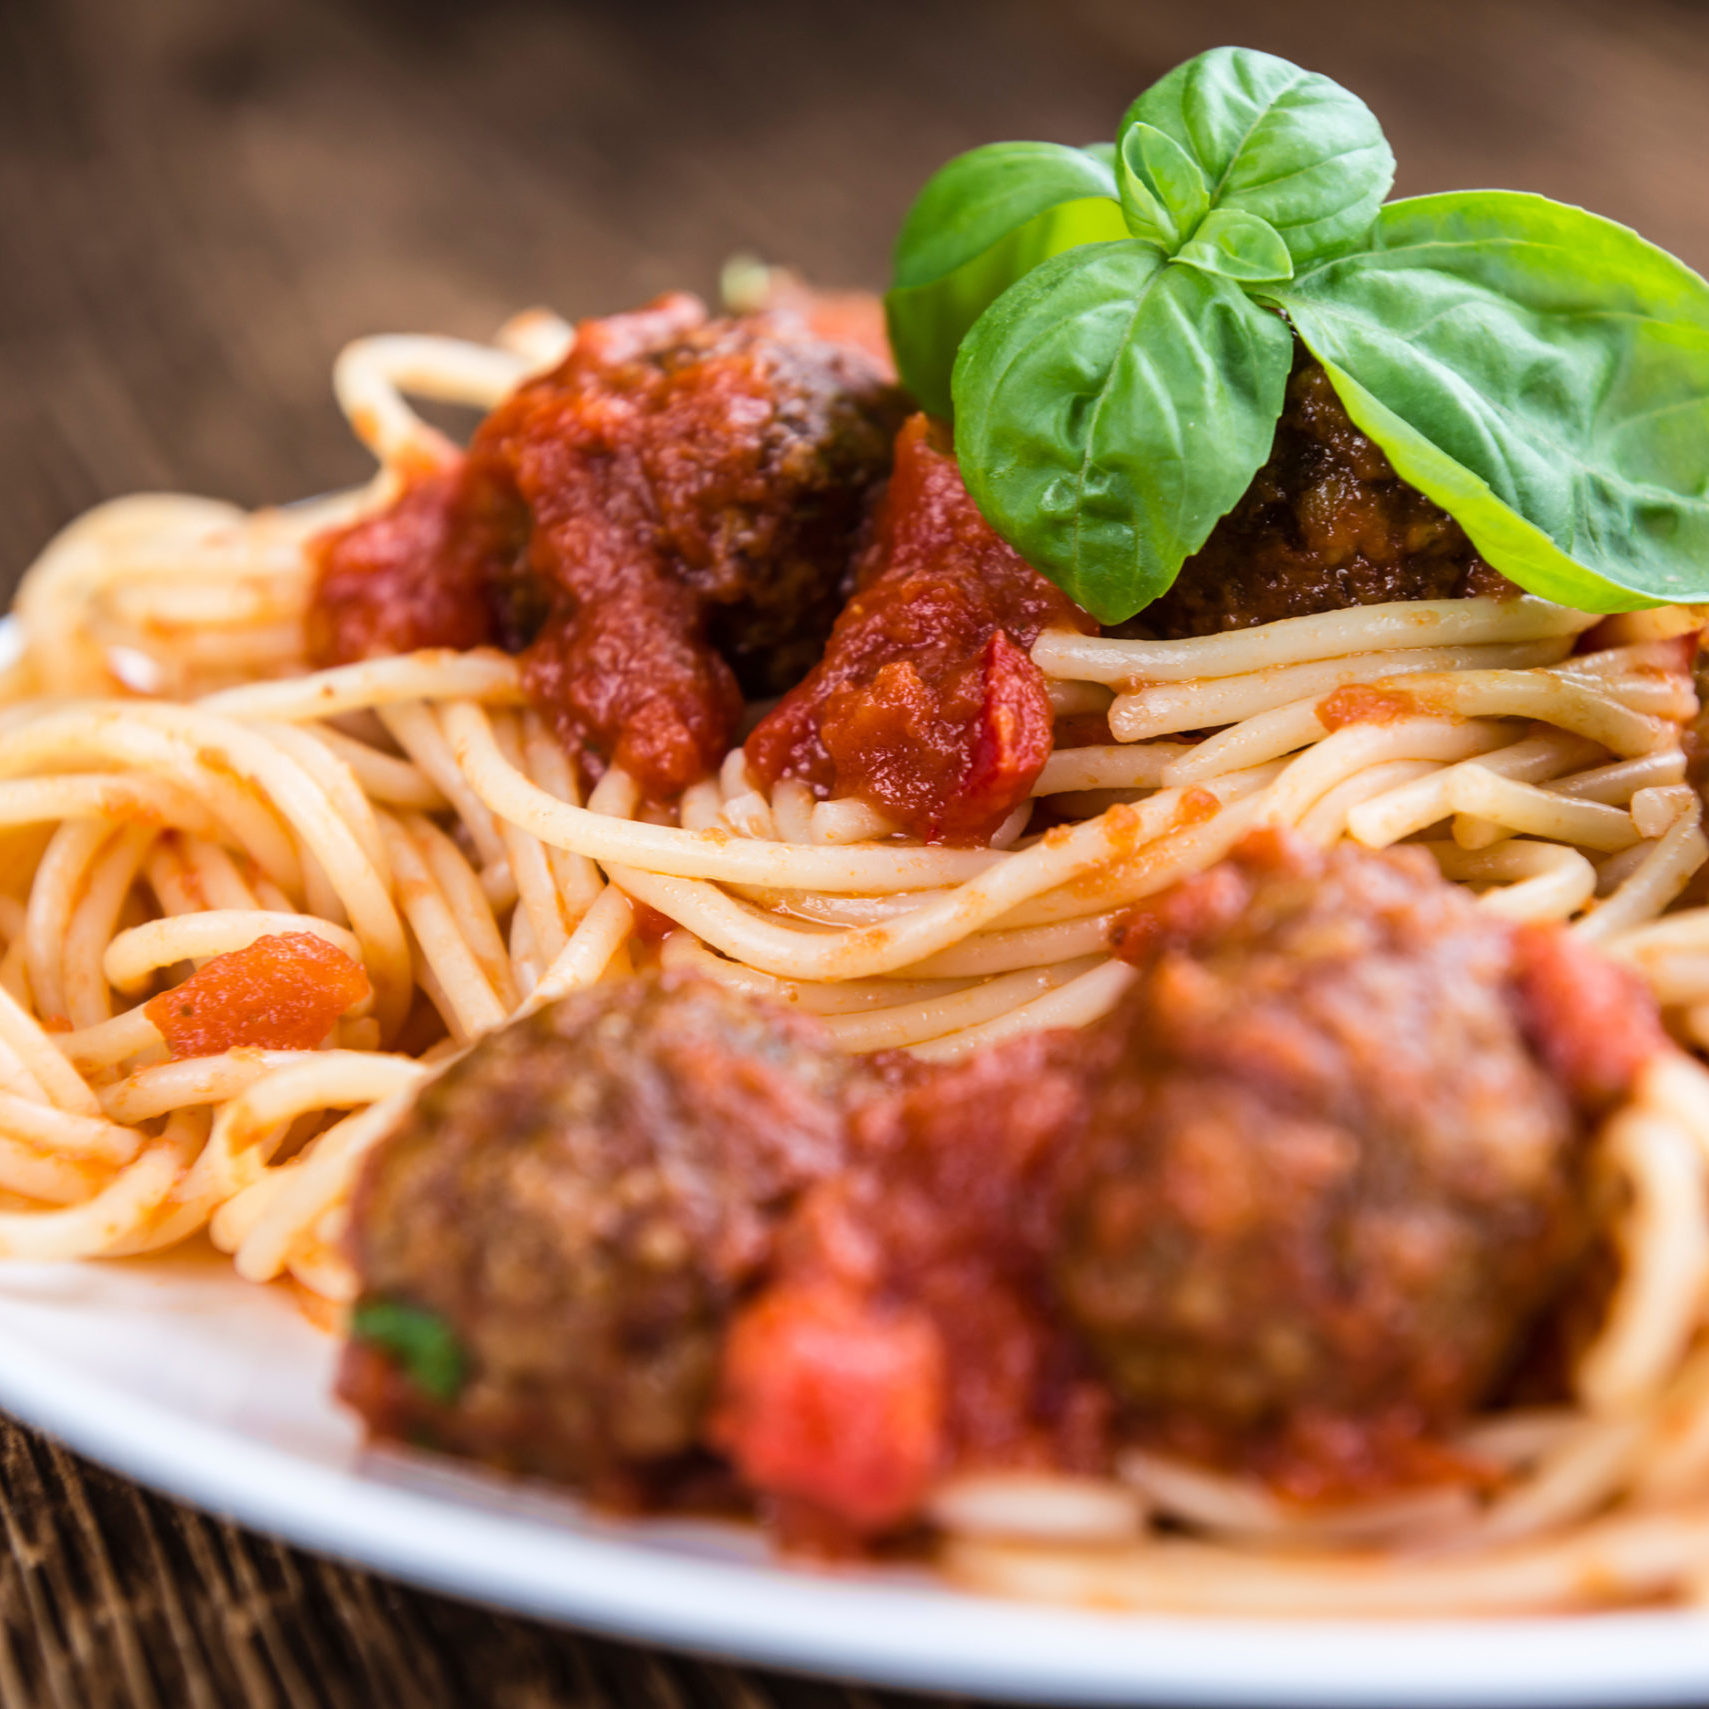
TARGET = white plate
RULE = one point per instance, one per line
(216, 1391)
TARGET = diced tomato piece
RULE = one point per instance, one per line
(283, 992)
(834, 1401)
(1593, 1022)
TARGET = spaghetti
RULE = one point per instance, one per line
(178, 786)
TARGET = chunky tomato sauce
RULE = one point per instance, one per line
(1589, 1018)
(399, 581)
(662, 521)
(283, 992)
(908, 1328)
(926, 704)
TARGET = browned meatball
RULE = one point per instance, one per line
(550, 1245)
(1326, 1175)
(1326, 524)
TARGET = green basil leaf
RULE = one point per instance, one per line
(982, 221)
(1543, 375)
(981, 196)
(1163, 191)
(421, 1342)
(1290, 146)
(1238, 246)
(1110, 407)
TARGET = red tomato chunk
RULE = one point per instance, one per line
(281, 993)
(926, 705)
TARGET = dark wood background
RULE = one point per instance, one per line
(200, 200)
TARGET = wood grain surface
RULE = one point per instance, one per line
(200, 200)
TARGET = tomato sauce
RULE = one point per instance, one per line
(926, 704)
(908, 1330)
(399, 581)
(1359, 703)
(1590, 1019)
(658, 524)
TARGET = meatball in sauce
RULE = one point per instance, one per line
(577, 1204)
(1330, 1174)
(690, 513)
(664, 521)
(1326, 524)
(1296, 1208)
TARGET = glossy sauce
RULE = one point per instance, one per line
(661, 522)
(909, 1329)
(926, 704)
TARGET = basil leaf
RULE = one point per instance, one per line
(983, 195)
(1292, 147)
(1110, 407)
(1238, 246)
(1543, 375)
(982, 221)
(421, 1342)
(1163, 191)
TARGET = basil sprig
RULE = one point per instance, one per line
(1086, 399)
(1116, 332)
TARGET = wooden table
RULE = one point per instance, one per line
(200, 200)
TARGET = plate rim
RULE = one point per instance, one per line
(875, 1630)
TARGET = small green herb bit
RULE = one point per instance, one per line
(1112, 327)
(419, 1340)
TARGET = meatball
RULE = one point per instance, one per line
(735, 456)
(550, 1245)
(668, 517)
(1326, 524)
(1326, 1179)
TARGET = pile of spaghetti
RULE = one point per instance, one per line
(187, 811)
